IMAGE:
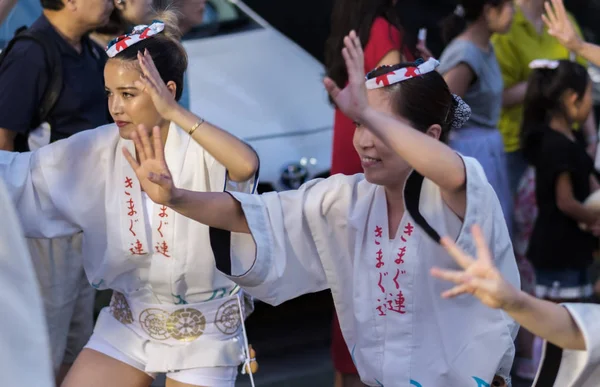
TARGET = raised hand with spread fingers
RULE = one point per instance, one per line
(352, 100)
(479, 277)
(562, 28)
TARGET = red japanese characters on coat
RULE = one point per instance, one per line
(392, 299)
(137, 248)
(162, 248)
(392, 302)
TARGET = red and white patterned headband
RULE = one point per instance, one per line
(402, 74)
(136, 35)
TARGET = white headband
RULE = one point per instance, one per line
(138, 34)
(402, 74)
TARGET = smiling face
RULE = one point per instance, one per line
(128, 105)
(380, 163)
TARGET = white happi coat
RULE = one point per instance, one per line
(333, 234)
(23, 333)
(84, 183)
(570, 368)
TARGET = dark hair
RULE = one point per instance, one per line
(424, 100)
(168, 54)
(357, 15)
(54, 5)
(466, 12)
(544, 100)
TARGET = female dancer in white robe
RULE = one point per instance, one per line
(352, 234)
(571, 355)
(171, 312)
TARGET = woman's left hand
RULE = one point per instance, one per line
(151, 82)
(352, 100)
(560, 26)
(479, 277)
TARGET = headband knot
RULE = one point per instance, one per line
(137, 34)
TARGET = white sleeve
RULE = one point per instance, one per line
(25, 357)
(280, 259)
(566, 368)
(484, 209)
(41, 185)
(219, 177)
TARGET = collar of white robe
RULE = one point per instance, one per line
(402, 74)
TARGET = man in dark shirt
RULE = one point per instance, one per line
(81, 105)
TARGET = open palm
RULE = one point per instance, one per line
(479, 277)
(151, 168)
(560, 26)
(352, 100)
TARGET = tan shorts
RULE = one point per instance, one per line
(68, 297)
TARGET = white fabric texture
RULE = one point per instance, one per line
(324, 236)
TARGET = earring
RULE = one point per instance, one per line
(120, 2)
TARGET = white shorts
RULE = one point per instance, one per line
(212, 377)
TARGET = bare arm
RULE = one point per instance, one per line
(7, 139)
(239, 159)
(214, 209)
(590, 52)
(514, 95)
(425, 153)
(562, 28)
(459, 79)
(480, 278)
(566, 202)
(549, 321)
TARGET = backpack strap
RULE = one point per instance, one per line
(54, 67)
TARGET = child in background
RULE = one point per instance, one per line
(559, 96)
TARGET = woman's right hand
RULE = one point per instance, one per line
(479, 277)
(352, 100)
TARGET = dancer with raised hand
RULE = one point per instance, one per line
(171, 311)
(370, 238)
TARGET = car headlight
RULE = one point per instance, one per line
(294, 175)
